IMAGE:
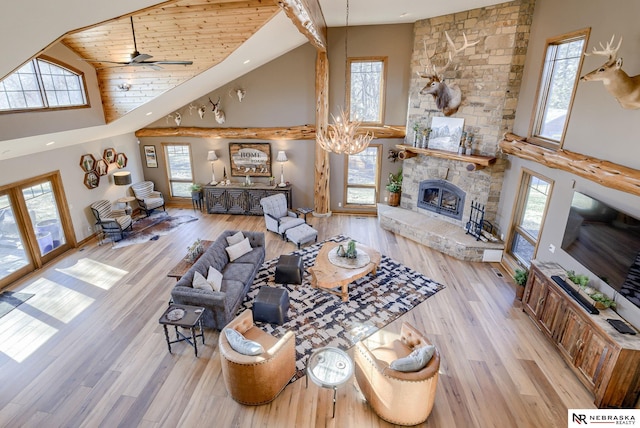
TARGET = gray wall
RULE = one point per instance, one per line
(282, 93)
(598, 126)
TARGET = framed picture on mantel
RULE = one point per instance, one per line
(252, 159)
(446, 133)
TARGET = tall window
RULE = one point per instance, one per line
(366, 89)
(41, 84)
(179, 169)
(362, 176)
(528, 217)
(558, 82)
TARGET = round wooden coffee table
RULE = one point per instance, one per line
(327, 276)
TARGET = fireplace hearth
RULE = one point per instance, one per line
(441, 197)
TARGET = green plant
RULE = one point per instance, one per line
(195, 187)
(605, 300)
(580, 279)
(394, 184)
(520, 276)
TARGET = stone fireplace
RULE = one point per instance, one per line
(441, 197)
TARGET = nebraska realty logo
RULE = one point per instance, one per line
(602, 417)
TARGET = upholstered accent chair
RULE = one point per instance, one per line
(402, 398)
(148, 199)
(256, 380)
(277, 215)
(112, 221)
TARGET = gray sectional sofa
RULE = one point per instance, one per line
(237, 276)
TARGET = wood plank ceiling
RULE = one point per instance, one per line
(202, 31)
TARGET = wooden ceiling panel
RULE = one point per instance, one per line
(202, 31)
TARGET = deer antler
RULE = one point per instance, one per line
(452, 54)
(456, 51)
(607, 50)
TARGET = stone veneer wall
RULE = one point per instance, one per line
(489, 75)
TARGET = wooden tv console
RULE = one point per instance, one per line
(606, 362)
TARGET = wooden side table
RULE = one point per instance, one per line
(183, 266)
(304, 212)
(183, 316)
(126, 201)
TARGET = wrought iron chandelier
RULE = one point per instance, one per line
(344, 135)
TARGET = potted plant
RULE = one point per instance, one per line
(394, 186)
(520, 277)
(578, 279)
(196, 192)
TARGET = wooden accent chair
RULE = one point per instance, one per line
(259, 379)
(277, 215)
(148, 199)
(112, 221)
(402, 398)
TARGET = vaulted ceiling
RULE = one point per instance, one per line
(202, 31)
(224, 38)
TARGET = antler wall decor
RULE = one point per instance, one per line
(625, 89)
(447, 96)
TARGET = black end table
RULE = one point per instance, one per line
(191, 316)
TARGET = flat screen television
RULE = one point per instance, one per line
(606, 241)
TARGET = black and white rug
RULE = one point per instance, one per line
(321, 319)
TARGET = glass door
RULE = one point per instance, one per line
(14, 259)
(45, 218)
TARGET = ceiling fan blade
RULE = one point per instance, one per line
(174, 62)
(138, 57)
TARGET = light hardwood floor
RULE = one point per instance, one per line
(87, 349)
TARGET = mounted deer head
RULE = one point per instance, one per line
(219, 114)
(625, 89)
(447, 97)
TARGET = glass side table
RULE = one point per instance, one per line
(329, 368)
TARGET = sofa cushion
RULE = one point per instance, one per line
(239, 249)
(214, 277)
(255, 257)
(242, 272)
(235, 239)
(415, 361)
(201, 283)
(242, 345)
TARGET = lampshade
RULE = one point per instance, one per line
(122, 178)
(282, 156)
(211, 156)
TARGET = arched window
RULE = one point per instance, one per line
(42, 84)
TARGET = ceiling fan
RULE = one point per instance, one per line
(140, 59)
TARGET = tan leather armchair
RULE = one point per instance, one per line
(402, 398)
(256, 380)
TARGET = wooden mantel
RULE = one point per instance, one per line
(602, 172)
(475, 162)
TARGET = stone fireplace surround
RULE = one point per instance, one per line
(444, 233)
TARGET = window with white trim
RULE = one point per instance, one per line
(42, 84)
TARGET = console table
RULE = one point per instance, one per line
(239, 199)
(606, 362)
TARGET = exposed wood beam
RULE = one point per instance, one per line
(602, 172)
(300, 132)
(321, 184)
(308, 18)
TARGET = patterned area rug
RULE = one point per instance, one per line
(151, 228)
(321, 319)
(9, 300)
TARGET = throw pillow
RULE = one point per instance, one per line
(200, 282)
(214, 278)
(415, 361)
(242, 345)
(239, 249)
(234, 239)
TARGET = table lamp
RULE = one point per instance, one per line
(282, 158)
(211, 157)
